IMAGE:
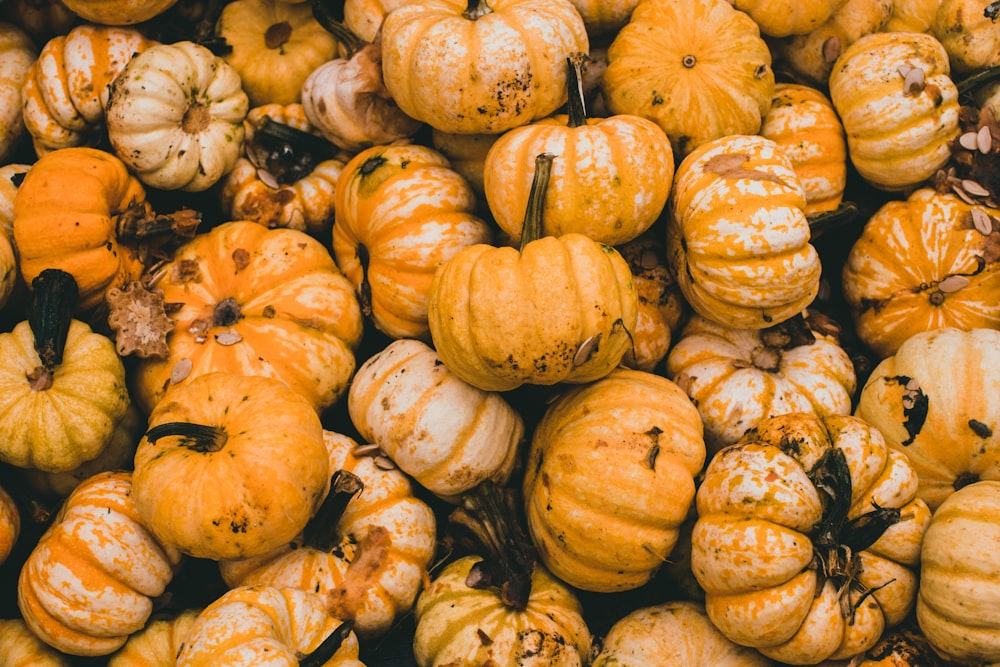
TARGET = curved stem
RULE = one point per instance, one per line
(476, 9)
(55, 296)
(329, 646)
(576, 107)
(970, 83)
(291, 153)
(333, 24)
(843, 215)
(321, 532)
(532, 228)
(199, 437)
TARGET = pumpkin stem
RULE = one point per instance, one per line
(333, 23)
(992, 11)
(832, 478)
(289, 154)
(975, 81)
(476, 9)
(845, 213)
(198, 437)
(490, 512)
(321, 532)
(364, 287)
(55, 295)
(965, 479)
(865, 530)
(328, 647)
(531, 230)
(139, 222)
(226, 313)
(577, 106)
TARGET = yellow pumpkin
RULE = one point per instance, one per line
(475, 67)
(158, 643)
(20, 647)
(933, 400)
(788, 17)
(118, 12)
(10, 524)
(699, 69)
(8, 268)
(364, 17)
(808, 538)
(902, 646)
(737, 234)
(912, 15)
(19, 52)
(90, 580)
(970, 33)
(898, 105)
(604, 17)
(11, 175)
(467, 155)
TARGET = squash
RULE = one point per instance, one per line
(700, 70)
(62, 385)
(558, 309)
(10, 524)
(609, 478)
(959, 587)
(287, 175)
(19, 647)
(118, 12)
(739, 377)
(11, 175)
(737, 235)
(923, 263)
(67, 87)
(969, 32)
(803, 122)
(898, 106)
(175, 116)
(264, 625)
(255, 301)
(467, 155)
(158, 643)
(932, 400)
(445, 433)
(912, 15)
(364, 17)
(808, 538)
(672, 633)
(8, 268)
(231, 466)
(366, 551)
(90, 580)
(610, 178)
(474, 67)
(401, 212)
(19, 52)
(604, 17)
(788, 17)
(41, 19)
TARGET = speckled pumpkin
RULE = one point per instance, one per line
(788, 17)
(969, 34)
(20, 647)
(19, 52)
(158, 643)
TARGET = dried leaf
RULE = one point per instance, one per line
(732, 165)
(139, 320)
(370, 560)
(953, 284)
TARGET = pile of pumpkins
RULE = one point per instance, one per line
(500, 332)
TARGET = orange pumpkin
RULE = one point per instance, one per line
(788, 17)
(10, 524)
(118, 12)
(18, 53)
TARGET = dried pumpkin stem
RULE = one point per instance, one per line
(577, 106)
(327, 17)
(321, 532)
(55, 294)
(843, 215)
(291, 154)
(532, 228)
(139, 222)
(975, 81)
(476, 9)
(198, 437)
(328, 647)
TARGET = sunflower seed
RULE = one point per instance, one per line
(913, 81)
(962, 194)
(912, 385)
(268, 179)
(984, 140)
(384, 462)
(586, 350)
(904, 69)
(975, 189)
(180, 370)
(982, 222)
(648, 260)
(228, 337)
(969, 141)
(831, 49)
(953, 284)
(365, 450)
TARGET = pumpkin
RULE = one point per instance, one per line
(603, 18)
(912, 15)
(255, 301)
(118, 12)
(474, 67)
(445, 433)
(366, 551)
(41, 19)
(969, 32)
(288, 174)
(901, 646)
(364, 17)
(11, 176)
(898, 106)
(274, 46)
(923, 263)
(803, 123)
(739, 377)
(737, 234)
(932, 400)
(401, 212)
(959, 583)
(19, 53)
(90, 580)
(557, 309)
(258, 625)
(67, 87)
(231, 466)
(672, 633)
(158, 643)
(808, 538)
(8, 268)
(19, 647)
(467, 155)
(10, 524)
(175, 116)
(781, 19)
(700, 70)
(63, 385)
(610, 177)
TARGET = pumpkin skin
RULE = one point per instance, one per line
(445, 433)
(157, 644)
(803, 122)
(19, 52)
(67, 88)
(931, 400)
(75, 228)
(480, 70)
(922, 264)
(385, 520)
(672, 633)
(739, 377)
(19, 647)
(699, 70)
(897, 135)
(770, 568)
(10, 524)
(610, 530)
(263, 625)
(401, 212)
(275, 45)
(118, 12)
(737, 235)
(457, 624)
(175, 116)
(256, 301)
(956, 606)
(971, 38)
(90, 580)
(781, 19)
(249, 490)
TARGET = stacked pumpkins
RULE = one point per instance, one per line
(566, 333)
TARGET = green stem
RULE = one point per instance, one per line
(199, 437)
(321, 532)
(576, 107)
(532, 228)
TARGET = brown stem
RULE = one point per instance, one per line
(329, 647)
(577, 106)
(476, 9)
(532, 228)
(839, 217)
(364, 287)
(55, 295)
(975, 81)
(333, 24)
(198, 437)
(290, 153)
(226, 313)
(321, 531)
(139, 222)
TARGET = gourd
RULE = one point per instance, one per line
(477, 67)
(19, 647)
(781, 19)
(912, 15)
(118, 12)
(231, 466)
(91, 579)
(969, 32)
(931, 400)
(445, 433)
(700, 70)
(808, 538)
(10, 524)
(364, 17)
(604, 17)
(19, 53)
(158, 643)
(11, 287)
(175, 116)
(609, 478)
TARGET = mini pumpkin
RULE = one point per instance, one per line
(158, 643)
(970, 33)
(364, 17)
(788, 17)
(10, 524)
(604, 17)
(118, 12)
(912, 15)
(19, 52)
(20, 647)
